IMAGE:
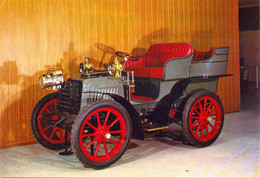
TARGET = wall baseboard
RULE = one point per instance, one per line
(16, 145)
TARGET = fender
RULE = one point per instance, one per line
(138, 132)
(182, 88)
(176, 92)
(179, 87)
(164, 105)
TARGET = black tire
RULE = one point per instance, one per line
(100, 134)
(203, 118)
(42, 121)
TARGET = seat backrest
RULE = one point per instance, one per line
(160, 53)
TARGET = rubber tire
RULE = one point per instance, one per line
(185, 118)
(34, 126)
(77, 125)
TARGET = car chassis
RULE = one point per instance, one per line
(100, 111)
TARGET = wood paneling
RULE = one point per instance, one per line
(38, 34)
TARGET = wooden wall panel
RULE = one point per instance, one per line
(38, 34)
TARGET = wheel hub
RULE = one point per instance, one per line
(55, 117)
(204, 118)
(108, 135)
(102, 134)
(209, 119)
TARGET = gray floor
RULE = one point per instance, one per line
(235, 153)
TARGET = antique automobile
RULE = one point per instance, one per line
(98, 112)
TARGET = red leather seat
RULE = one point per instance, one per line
(152, 65)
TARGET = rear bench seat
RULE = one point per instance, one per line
(200, 56)
(209, 63)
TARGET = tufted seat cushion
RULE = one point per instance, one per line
(153, 64)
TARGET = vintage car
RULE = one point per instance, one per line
(98, 112)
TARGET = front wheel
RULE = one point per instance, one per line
(44, 123)
(100, 134)
(203, 118)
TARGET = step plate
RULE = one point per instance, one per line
(154, 127)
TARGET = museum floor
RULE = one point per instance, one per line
(235, 153)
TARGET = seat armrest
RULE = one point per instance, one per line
(177, 68)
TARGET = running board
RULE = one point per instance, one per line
(154, 127)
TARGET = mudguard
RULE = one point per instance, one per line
(138, 132)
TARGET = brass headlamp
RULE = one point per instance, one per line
(115, 68)
(53, 79)
(85, 68)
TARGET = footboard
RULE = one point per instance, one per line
(215, 65)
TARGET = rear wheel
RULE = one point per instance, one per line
(203, 118)
(100, 134)
(43, 120)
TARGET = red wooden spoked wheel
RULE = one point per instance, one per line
(203, 118)
(101, 134)
(47, 119)
(101, 142)
(43, 122)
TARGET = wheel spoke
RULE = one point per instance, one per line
(195, 124)
(111, 125)
(105, 122)
(194, 117)
(91, 125)
(88, 135)
(198, 128)
(214, 118)
(207, 130)
(209, 107)
(211, 112)
(115, 132)
(91, 143)
(98, 120)
(105, 146)
(205, 104)
(46, 128)
(52, 133)
(61, 135)
(201, 133)
(46, 109)
(97, 148)
(200, 106)
(196, 111)
(212, 126)
(113, 141)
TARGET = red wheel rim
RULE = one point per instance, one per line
(46, 119)
(205, 118)
(102, 134)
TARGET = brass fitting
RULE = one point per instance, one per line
(118, 67)
(85, 68)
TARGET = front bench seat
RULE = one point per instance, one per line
(153, 64)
